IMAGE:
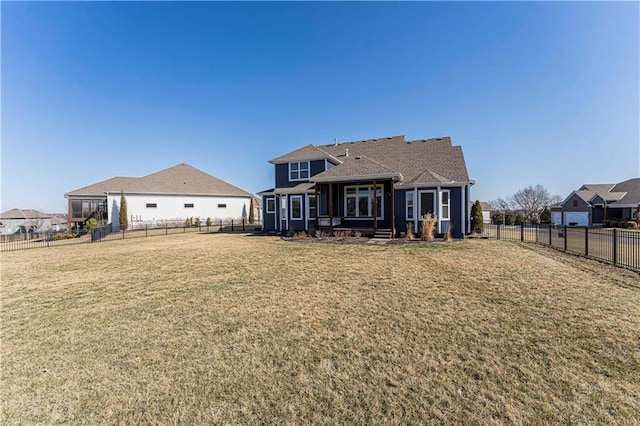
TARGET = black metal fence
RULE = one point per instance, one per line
(620, 247)
(105, 233)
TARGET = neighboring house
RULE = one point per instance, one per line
(592, 203)
(377, 185)
(21, 221)
(165, 197)
(486, 211)
(257, 208)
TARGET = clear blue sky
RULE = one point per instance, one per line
(534, 92)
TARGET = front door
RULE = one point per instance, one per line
(427, 203)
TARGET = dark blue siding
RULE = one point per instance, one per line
(269, 219)
(282, 175)
(400, 210)
(317, 166)
(456, 211)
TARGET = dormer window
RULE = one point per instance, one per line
(299, 171)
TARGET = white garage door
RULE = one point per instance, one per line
(579, 218)
(556, 217)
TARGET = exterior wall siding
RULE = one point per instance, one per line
(582, 205)
(268, 219)
(171, 208)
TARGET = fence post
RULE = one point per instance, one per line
(166, 229)
(615, 246)
(243, 224)
(586, 241)
(498, 232)
(550, 242)
(220, 227)
(146, 230)
(184, 229)
(522, 232)
(564, 233)
(231, 225)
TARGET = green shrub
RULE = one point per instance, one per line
(477, 225)
(606, 223)
(208, 221)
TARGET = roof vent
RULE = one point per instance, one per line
(335, 141)
(358, 157)
(346, 152)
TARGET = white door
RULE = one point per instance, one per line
(576, 218)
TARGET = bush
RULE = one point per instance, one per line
(477, 225)
(58, 237)
(605, 223)
(631, 224)
(197, 222)
(410, 235)
(447, 235)
(428, 227)
(300, 236)
(208, 221)
(187, 222)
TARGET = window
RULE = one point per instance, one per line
(222, 206)
(152, 205)
(574, 203)
(409, 205)
(359, 201)
(283, 207)
(188, 205)
(296, 207)
(444, 205)
(311, 205)
(299, 171)
(271, 205)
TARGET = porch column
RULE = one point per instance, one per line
(69, 213)
(393, 209)
(331, 205)
(375, 207)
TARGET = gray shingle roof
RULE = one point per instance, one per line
(307, 152)
(24, 214)
(624, 193)
(419, 161)
(179, 179)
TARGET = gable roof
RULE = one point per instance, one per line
(306, 153)
(24, 214)
(179, 179)
(486, 207)
(433, 160)
(623, 194)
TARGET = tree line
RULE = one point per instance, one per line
(530, 205)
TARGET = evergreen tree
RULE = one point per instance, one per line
(124, 220)
(477, 225)
(252, 217)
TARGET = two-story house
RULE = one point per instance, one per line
(372, 185)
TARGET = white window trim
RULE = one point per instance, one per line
(406, 206)
(291, 199)
(441, 205)
(370, 205)
(273, 210)
(308, 210)
(299, 178)
(283, 213)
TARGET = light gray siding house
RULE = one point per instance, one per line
(591, 204)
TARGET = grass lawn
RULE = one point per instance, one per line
(218, 328)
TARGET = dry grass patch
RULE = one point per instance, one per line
(233, 329)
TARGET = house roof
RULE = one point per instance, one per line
(433, 160)
(306, 153)
(486, 206)
(621, 194)
(24, 214)
(179, 179)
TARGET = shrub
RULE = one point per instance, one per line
(477, 225)
(320, 234)
(208, 221)
(357, 234)
(428, 227)
(187, 222)
(197, 222)
(447, 235)
(91, 223)
(300, 236)
(410, 235)
(605, 223)
(58, 237)
(631, 224)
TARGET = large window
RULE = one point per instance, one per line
(296, 207)
(410, 205)
(271, 205)
(444, 205)
(359, 201)
(299, 171)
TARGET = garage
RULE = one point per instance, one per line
(576, 218)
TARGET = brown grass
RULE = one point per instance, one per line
(231, 329)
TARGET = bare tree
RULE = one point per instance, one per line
(531, 200)
(502, 204)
